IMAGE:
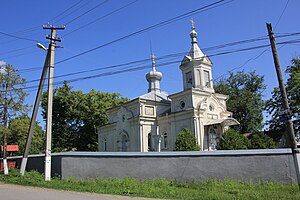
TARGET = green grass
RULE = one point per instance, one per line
(161, 188)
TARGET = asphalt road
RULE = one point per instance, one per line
(16, 192)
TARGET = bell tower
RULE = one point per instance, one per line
(196, 67)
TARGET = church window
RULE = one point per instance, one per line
(105, 145)
(206, 78)
(213, 139)
(124, 143)
(182, 104)
(149, 110)
(149, 142)
(211, 108)
(189, 79)
(165, 140)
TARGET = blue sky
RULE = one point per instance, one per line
(234, 21)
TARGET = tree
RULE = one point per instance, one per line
(186, 141)
(274, 104)
(76, 116)
(11, 96)
(232, 140)
(261, 141)
(245, 99)
(18, 134)
(11, 100)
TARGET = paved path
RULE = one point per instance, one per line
(16, 192)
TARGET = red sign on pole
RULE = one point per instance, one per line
(11, 148)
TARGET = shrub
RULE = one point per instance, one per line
(186, 141)
(232, 140)
(261, 141)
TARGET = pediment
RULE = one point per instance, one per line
(185, 60)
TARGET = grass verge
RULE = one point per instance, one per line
(161, 188)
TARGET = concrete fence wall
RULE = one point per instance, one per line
(266, 165)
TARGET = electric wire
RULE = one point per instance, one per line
(181, 53)
(98, 5)
(281, 14)
(67, 15)
(65, 11)
(208, 49)
(17, 37)
(141, 31)
(102, 17)
(132, 69)
(12, 51)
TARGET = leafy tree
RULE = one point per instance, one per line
(232, 140)
(76, 115)
(186, 141)
(261, 141)
(18, 134)
(274, 104)
(245, 99)
(11, 96)
(4, 131)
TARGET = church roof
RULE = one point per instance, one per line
(195, 52)
(223, 122)
(156, 96)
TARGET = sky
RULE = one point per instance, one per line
(103, 33)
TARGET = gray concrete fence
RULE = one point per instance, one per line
(257, 165)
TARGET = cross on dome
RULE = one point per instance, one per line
(153, 77)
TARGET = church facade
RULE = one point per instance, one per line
(152, 121)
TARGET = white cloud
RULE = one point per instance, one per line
(2, 62)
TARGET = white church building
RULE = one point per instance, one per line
(151, 122)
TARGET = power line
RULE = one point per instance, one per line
(102, 17)
(183, 53)
(282, 35)
(28, 69)
(11, 51)
(65, 11)
(163, 57)
(17, 37)
(98, 5)
(267, 49)
(142, 30)
(82, 6)
(37, 27)
(21, 54)
(130, 69)
(282, 13)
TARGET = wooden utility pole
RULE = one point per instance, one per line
(291, 141)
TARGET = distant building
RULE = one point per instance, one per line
(151, 122)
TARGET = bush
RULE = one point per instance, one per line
(261, 141)
(186, 141)
(232, 140)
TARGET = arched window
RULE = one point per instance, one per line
(165, 140)
(213, 139)
(105, 145)
(124, 143)
(149, 142)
